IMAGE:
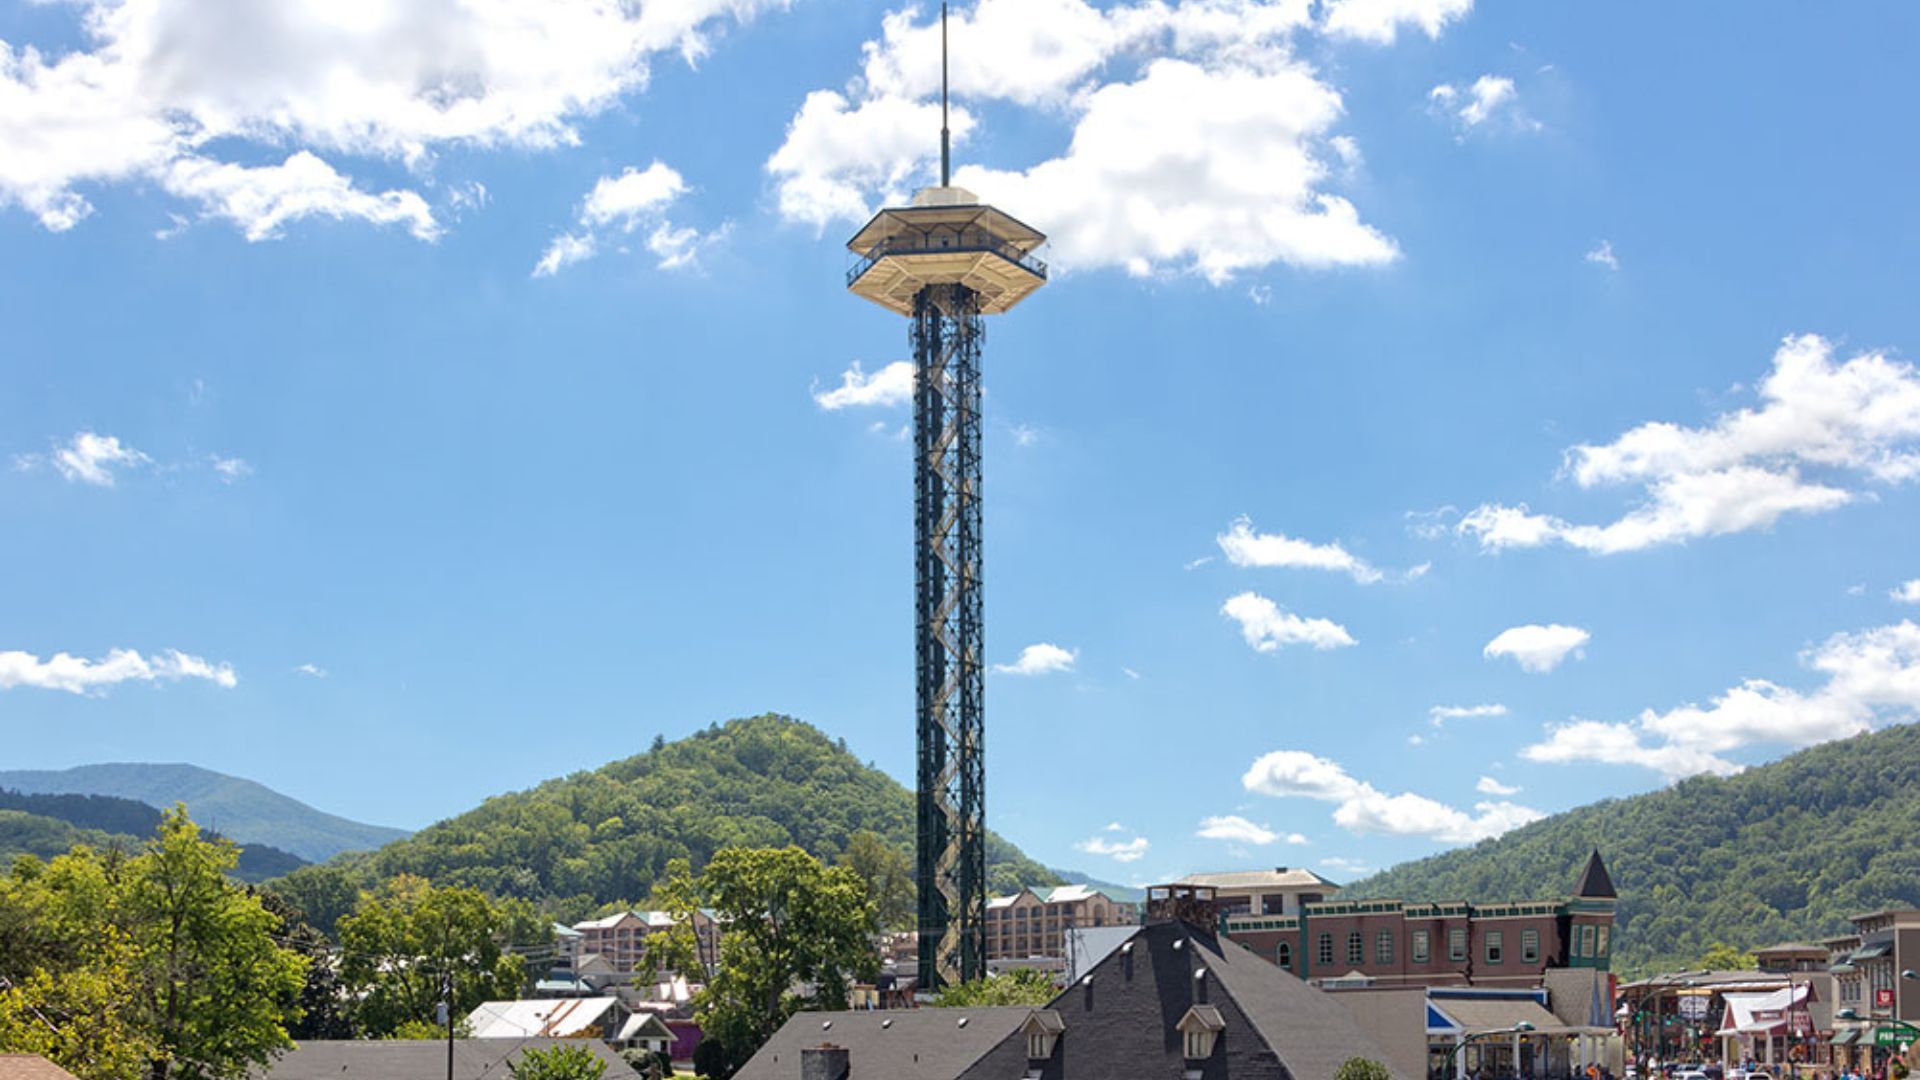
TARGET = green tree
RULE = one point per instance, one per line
(1359, 1068)
(405, 944)
(1723, 957)
(323, 1012)
(788, 920)
(677, 948)
(156, 965)
(559, 1063)
(1022, 986)
(324, 894)
(217, 989)
(888, 874)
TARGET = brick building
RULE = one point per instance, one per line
(1029, 924)
(1397, 943)
(620, 939)
(1868, 968)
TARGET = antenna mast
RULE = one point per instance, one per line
(946, 153)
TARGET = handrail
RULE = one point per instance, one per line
(1025, 260)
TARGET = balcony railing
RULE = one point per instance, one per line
(901, 246)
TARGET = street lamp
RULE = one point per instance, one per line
(1520, 1028)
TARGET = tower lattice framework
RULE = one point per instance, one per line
(950, 686)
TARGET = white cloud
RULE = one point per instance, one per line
(1489, 786)
(1536, 648)
(891, 385)
(312, 671)
(1873, 677)
(1245, 547)
(1125, 851)
(1440, 714)
(1236, 829)
(1907, 593)
(1266, 627)
(1341, 865)
(78, 675)
(1114, 826)
(1040, 659)
(636, 199)
(1487, 98)
(90, 458)
(261, 199)
(1204, 136)
(231, 468)
(1820, 425)
(157, 83)
(1379, 21)
(1129, 673)
(1362, 808)
(1604, 256)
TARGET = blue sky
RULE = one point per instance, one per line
(1441, 414)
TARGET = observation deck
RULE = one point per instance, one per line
(947, 237)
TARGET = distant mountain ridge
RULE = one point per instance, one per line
(50, 825)
(1782, 852)
(243, 810)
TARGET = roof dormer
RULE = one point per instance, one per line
(1199, 1029)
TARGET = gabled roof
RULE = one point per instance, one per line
(1595, 882)
(1069, 894)
(415, 1059)
(904, 1044)
(546, 1017)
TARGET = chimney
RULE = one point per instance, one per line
(1190, 904)
(824, 1062)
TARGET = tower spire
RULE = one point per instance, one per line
(946, 153)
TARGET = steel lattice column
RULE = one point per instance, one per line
(949, 683)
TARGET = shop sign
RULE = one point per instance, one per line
(1883, 999)
(1693, 1008)
(1891, 1037)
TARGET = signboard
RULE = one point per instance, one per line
(1883, 998)
(1887, 1036)
(1693, 1008)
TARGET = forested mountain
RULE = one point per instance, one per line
(602, 837)
(1782, 852)
(121, 827)
(248, 812)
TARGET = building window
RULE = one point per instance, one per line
(1283, 955)
(1586, 941)
(1529, 946)
(1383, 947)
(1456, 945)
(1600, 950)
(1496, 946)
(1356, 948)
(1419, 946)
(1326, 949)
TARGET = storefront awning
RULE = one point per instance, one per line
(1843, 1037)
(1472, 1017)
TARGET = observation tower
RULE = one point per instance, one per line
(944, 262)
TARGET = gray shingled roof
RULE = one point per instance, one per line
(901, 1044)
(421, 1059)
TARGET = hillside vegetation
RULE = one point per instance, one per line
(248, 812)
(603, 837)
(1782, 852)
(125, 826)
